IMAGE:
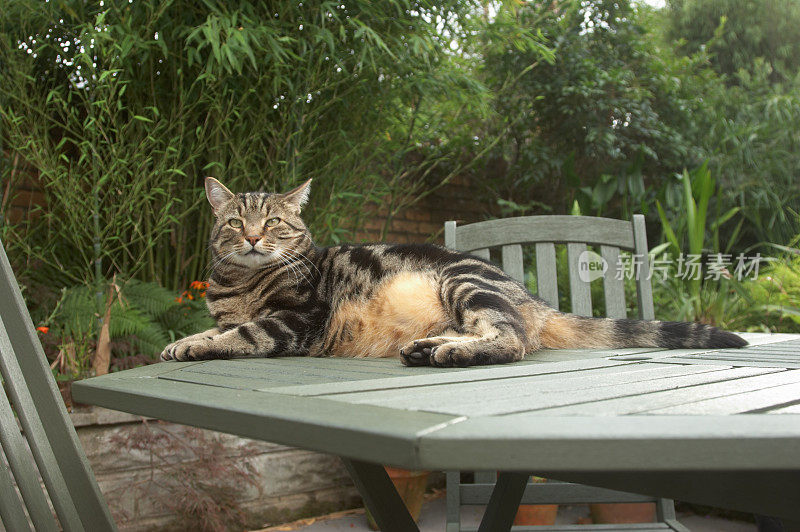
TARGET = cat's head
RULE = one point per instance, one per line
(257, 229)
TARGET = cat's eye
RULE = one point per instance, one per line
(235, 222)
(272, 222)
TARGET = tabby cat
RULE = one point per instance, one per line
(274, 293)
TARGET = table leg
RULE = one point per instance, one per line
(504, 502)
(380, 496)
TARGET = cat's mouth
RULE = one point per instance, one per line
(254, 258)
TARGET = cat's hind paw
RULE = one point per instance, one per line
(423, 352)
(415, 355)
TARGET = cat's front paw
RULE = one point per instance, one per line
(188, 349)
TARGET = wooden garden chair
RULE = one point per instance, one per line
(576, 232)
(37, 436)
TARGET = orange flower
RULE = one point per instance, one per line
(199, 285)
(43, 329)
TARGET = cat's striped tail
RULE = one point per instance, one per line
(565, 331)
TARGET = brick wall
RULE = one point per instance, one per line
(19, 201)
(461, 199)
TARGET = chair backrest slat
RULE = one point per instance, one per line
(613, 286)
(512, 262)
(644, 289)
(579, 291)
(546, 273)
(530, 229)
(545, 232)
(61, 461)
(11, 511)
(19, 459)
(482, 253)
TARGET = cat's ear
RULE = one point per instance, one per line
(299, 196)
(217, 193)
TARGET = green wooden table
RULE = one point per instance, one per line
(713, 427)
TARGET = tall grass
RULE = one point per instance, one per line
(124, 108)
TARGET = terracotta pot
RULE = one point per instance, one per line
(627, 512)
(411, 487)
(536, 514)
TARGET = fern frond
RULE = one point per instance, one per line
(150, 340)
(77, 313)
(126, 321)
(187, 320)
(150, 298)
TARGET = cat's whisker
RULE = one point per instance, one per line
(220, 260)
(284, 262)
(302, 259)
(294, 272)
(289, 266)
(292, 266)
(295, 264)
(288, 254)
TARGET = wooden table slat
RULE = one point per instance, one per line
(377, 434)
(557, 384)
(245, 376)
(511, 371)
(732, 381)
(766, 398)
(623, 443)
(472, 405)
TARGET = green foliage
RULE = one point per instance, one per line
(144, 315)
(606, 121)
(687, 235)
(748, 130)
(753, 151)
(738, 35)
(768, 303)
(776, 296)
(589, 105)
(124, 110)
(690, 211)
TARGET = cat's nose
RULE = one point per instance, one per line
(253, 240)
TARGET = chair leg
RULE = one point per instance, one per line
(504, 502)
(380, 496)
(453, 501)
(665, 509)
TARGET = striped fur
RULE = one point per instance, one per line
(273, 292)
